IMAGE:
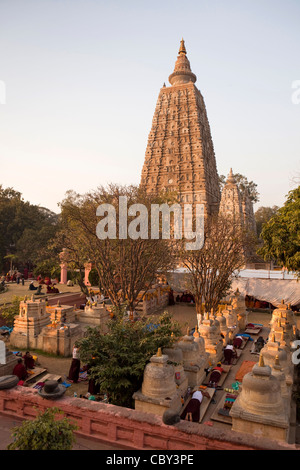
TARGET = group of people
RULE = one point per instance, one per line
(15, 276)
(194, 405)
(51, 289)
(186, 297)
(23, 365)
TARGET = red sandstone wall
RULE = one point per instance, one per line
(129, 428)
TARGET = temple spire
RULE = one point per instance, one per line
(182, 49)
(230, 178)
(182, 71)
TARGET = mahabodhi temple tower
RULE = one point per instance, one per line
(180, 154)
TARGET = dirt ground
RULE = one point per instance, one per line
(14, 289)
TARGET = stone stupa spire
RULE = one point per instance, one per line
(230, 178)
(182, 49)
(182, 71)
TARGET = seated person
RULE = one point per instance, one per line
(20, 370)
(229, 352)
(183, 297)
(32, 286)
(259, 344)
(216, 374)
(28, 360)
(52, 290)
(38, 292)
(194, 405)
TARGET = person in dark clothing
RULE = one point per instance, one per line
(259, 344)
(193, 406)
(75, 365)
(28, 360)
(20, 370)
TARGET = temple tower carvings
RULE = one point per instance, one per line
(180, 154)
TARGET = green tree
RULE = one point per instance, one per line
(281, 235)
(44, 433)
(263, 215)
(118, 358)
(9, 311)
(25, 229)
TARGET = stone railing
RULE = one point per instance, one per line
(130, 429)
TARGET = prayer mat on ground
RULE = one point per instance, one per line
(222, 378)
(221, 413)
(244, 369)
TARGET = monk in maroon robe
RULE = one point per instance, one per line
(20, 370)
(28, 360)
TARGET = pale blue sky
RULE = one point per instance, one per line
(82, 79)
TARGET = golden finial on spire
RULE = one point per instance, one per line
(272, 337)
(261, 362)
(182, 49)
(159, 353)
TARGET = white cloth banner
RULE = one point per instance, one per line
(270, 290)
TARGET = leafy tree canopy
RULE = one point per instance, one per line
(25, 229)
(281, 235)
(117, 359)
(263, 215)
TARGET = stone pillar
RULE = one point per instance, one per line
(63, 273)
(88, 268)
(63, 256)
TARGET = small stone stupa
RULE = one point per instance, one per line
(260, 409)
(239, 309)
(231, 319)
(159, 391)
(29, 323)
(60, 312)
(223, 326)
(286, 315)
(283, 324)
(195, 358)
(94, 314)
(34, 329)
(176, 357)
(210, 332)
(272, 350)
(278, 372)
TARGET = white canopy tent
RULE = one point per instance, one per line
(270, 290)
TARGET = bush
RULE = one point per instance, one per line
(44, 433)
(94, 277)
(8, 312)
